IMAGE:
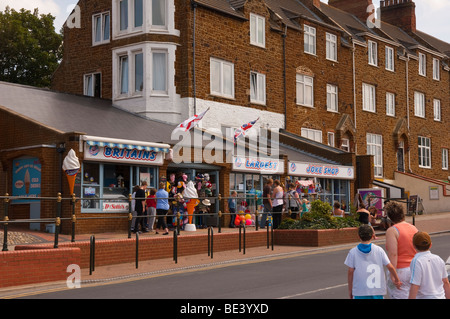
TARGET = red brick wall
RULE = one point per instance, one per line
(23, 267)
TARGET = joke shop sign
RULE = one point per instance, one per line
(26, 178)
(258, 165)
(122, 155)
(321, 170)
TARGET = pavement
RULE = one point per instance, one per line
(431, 223)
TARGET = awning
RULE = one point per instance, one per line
(304, 183)
(127, 144)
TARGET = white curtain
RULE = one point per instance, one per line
(159, 12)
(123, 74)
(160, 71)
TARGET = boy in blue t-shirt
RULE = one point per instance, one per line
(366, 277)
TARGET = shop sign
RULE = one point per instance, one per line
(26, 178)
(258, 165)
(321, 170)
(115, 206)
(122, 155)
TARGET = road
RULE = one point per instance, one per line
(317, 274)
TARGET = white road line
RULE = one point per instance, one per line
(313, 291)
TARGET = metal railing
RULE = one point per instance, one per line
(57, 220)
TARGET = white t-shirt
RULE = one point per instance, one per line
(427, 271)
(369, 278)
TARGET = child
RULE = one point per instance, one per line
(428, 274)
(366, 278)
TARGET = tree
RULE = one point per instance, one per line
(30, 49)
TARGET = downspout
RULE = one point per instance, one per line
(407, 111)
(354, 92)
(284, 76)
(194, 93)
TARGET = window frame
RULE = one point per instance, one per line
(255, 19)
(419, 104)
(436, 69)
(444, 154)
(372, 52)
(92, 84)
(331, 139)
(102, 17)
(331, 47)
(375, 148)
(424, 150)
(422, 64)
(155, 92)
(372, 98)
(437, 110)
(300, 81)
(332, 96)
(390, 60)
(305, 132)
(222, 63)
(310, 33)
(260, 84)
(390, 104)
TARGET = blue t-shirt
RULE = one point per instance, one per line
(162, 201)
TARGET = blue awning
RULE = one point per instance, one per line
(109, 142)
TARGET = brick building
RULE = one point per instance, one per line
(341, 90)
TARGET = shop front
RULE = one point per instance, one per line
(327, 182)
(111, 168)
(249, 175)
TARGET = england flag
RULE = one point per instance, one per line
(189, 123)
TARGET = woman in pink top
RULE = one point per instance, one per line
(400, 248)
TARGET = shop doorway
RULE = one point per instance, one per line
(206, 181)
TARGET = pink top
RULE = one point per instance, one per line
(405, 247)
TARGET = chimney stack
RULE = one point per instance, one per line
(401, 13)
(356, 7)
(312, 3)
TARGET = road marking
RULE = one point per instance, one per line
(313, 291)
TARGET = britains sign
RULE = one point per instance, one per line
(122, 155)
(321, 170)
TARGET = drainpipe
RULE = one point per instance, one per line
(354, 93)
(284, 76)
(407, 111)
(194, 6)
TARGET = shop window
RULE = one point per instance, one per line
(106, 187)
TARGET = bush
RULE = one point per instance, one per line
(320, 218)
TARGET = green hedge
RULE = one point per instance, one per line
(320, 218)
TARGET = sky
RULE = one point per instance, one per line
(432, 15)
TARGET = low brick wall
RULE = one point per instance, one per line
(315, 238)
(23, 267)
(42, 263)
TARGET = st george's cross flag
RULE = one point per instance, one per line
(240, 132)
(190, 122)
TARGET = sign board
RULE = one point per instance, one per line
(26, 178)
(258, 165)
(111, 206)
(320, 170)
(434, 192)
(122, 155)
(372, 197)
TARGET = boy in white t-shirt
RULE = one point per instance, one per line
(366, 276)
(428, 274)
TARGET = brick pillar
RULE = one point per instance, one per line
(401, 13)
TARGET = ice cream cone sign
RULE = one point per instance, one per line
(71, 166)
(190, 194)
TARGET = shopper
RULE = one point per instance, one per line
(400, 248)
(162, 208)
(293, 202)
(140, 208)
(366, 277)
(267, 201)
(232, 203)
(429, 278)
(277, 203)
(363, 213)
(337, 211)
(151, 208)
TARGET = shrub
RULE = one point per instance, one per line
(320, 218)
